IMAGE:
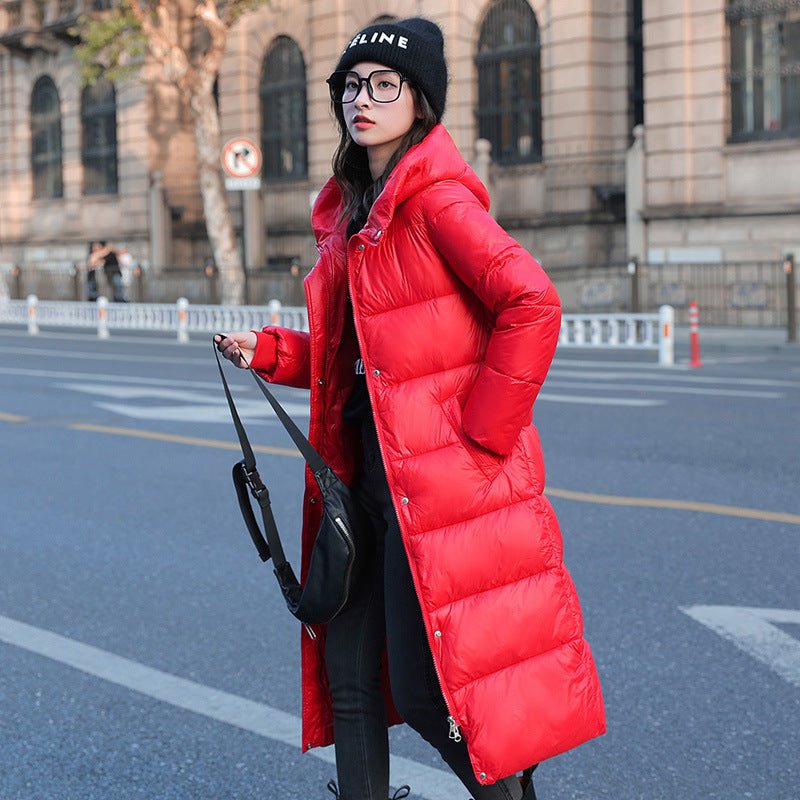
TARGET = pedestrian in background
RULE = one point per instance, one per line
(103, 257)
(94, 262)
(430, 334)
(112, 273)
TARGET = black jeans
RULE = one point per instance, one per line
(385, 605)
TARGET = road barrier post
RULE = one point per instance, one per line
(274, 307)
(694, 336)
(183, 320)
(791, 299)
(666, 336)
(102, 317)
(33, 324)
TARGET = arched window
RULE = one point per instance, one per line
(99, 138)
(509, 88)
(46, 163)
(765, 69)
(282, 89)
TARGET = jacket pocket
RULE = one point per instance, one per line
(489, 463)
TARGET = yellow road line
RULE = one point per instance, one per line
(681, 505)
(13, 418)
(566, 494)
(170, 437)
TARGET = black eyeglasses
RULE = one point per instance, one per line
(383, 85)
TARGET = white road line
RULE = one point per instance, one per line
(633, 387)
(94, 376)
(183, 405)
(231, 709)
(206, 414)
(598, 401)
(139, 391)
(98, 356)
(215, 386)
(601, 374)
(753, 630)
(563, 357)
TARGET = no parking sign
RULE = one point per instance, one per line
(241, 160)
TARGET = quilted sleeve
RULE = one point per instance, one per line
(525, 307)
(282, 356)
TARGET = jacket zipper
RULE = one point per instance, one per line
(311, 357)
(455, 730)
(339, 522)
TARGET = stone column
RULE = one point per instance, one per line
(635, 233)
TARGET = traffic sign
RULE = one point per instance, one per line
(241, 160)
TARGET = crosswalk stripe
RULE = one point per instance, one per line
(231, 709)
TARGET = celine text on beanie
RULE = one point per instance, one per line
(414, 47)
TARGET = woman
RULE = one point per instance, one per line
(431, 331)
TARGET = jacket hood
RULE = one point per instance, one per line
(436, 158)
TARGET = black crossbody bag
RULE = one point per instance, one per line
(334, 560)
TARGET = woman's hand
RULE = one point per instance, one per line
(239, 348)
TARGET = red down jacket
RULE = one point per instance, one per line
(457, 325)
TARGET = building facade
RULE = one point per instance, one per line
(664, 132)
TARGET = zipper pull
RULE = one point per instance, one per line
(309, 630)
(455, 733)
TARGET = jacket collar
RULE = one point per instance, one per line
(436, 158)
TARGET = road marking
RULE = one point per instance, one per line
(115, 357)
(598, 401)
(184, 405)
(93, 377)
(678, 505)
(209, 407)
(231, 709)
(13, 417)
(644, 387)
(176, 439)
(600, 374)
(753, 631)
(139, 392)
(191, 413)
(566, 494)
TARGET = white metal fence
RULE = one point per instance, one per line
(623, 331)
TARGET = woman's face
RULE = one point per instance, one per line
(379, 127)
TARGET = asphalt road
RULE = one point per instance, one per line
(145, 651)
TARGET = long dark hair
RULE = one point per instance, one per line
(351, 166)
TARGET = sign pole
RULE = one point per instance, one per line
(241, 160)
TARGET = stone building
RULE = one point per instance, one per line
(617, 129)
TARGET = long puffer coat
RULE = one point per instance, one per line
(457, 325)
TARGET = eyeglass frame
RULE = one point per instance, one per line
(362, 81)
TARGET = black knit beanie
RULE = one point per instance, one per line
(414, 47)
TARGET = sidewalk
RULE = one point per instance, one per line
(718, 340)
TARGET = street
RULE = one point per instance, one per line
(145, 651)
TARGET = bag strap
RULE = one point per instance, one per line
(245, 474)
(312, 457)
